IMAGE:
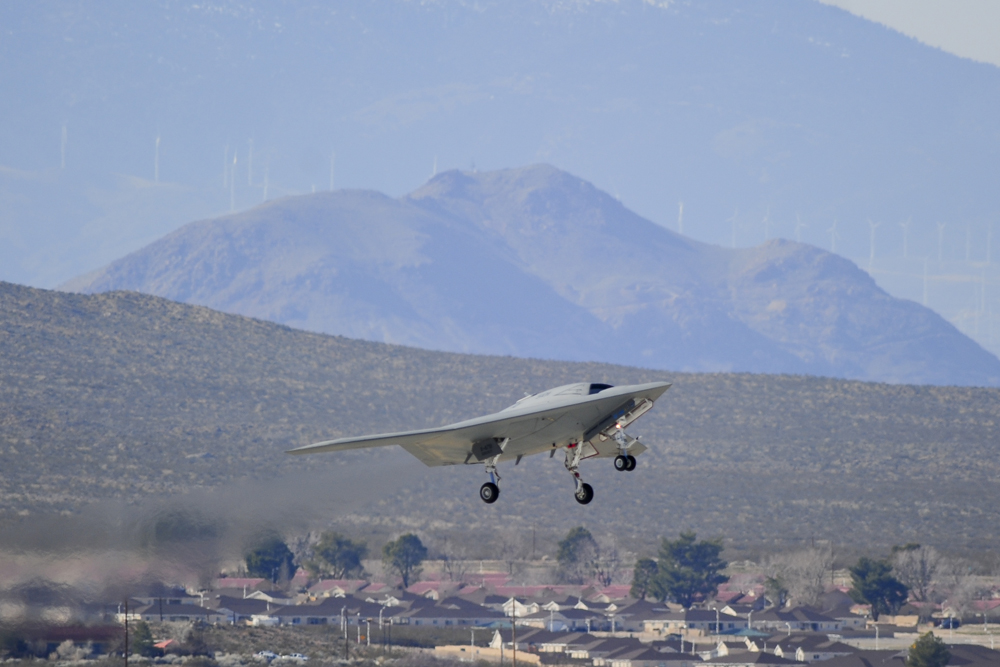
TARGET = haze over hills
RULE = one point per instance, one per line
(790, 111)
(536, 262)
(135, 400)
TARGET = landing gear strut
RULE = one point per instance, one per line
(490, 491)
(624, 460)
(584, 492)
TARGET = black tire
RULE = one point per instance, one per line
(489, 492)
(621, 463)
(585, 494)
(631, 463)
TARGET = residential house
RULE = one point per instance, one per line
(808, 647)
(707, 621)
(648, 657)
(452, 611)
(336, 588)
(805, 619)
(181, 612)
(750, 659)
(528, 639)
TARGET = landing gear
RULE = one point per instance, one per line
(624, 460)
(489, 492)
(584, 492)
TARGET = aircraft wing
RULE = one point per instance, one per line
(473, 441)
(447, 445)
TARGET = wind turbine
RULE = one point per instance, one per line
(680, 217)
(871, 256)
(434, 171)
(232, 185)
(267, 169)
(733, 220)
(833, 236)
(156, 162)
(798, 228)
(906, 237)
(940, 226)
(767, 222)
(989, 242)
(925, 282)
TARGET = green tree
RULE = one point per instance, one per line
(142, 640)
(776, 589)
(576, 555)
(643, 577)
(687, 569)
(404, 556)
(873, 584)
(337, 556)
(928, 651)
(270, 559)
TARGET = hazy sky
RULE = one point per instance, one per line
(967, 28)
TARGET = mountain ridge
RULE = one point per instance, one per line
(128, 399)
(537, 262)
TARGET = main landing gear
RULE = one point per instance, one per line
(490, 491)
(624, 460)
(584, 492)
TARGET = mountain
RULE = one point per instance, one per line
(536, 262)
(123, 400)
(793, 111)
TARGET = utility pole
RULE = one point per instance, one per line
(126, 632)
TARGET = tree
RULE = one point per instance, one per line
(142, 640)
(776, 589)
(915, 566)
(337, 556)
(271, 559)
(874, 584)
(608, 560)
(928, 651)
(643, 577)
(404, 556)
(576, 555)
(687, 569)
(800, 575)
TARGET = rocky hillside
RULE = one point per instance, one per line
(127, 400)
(536, 262)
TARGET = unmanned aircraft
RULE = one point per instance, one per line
(586, 419)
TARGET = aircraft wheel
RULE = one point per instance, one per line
(621, 463)
(585, 494)
(489, 492)
(631, 463)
